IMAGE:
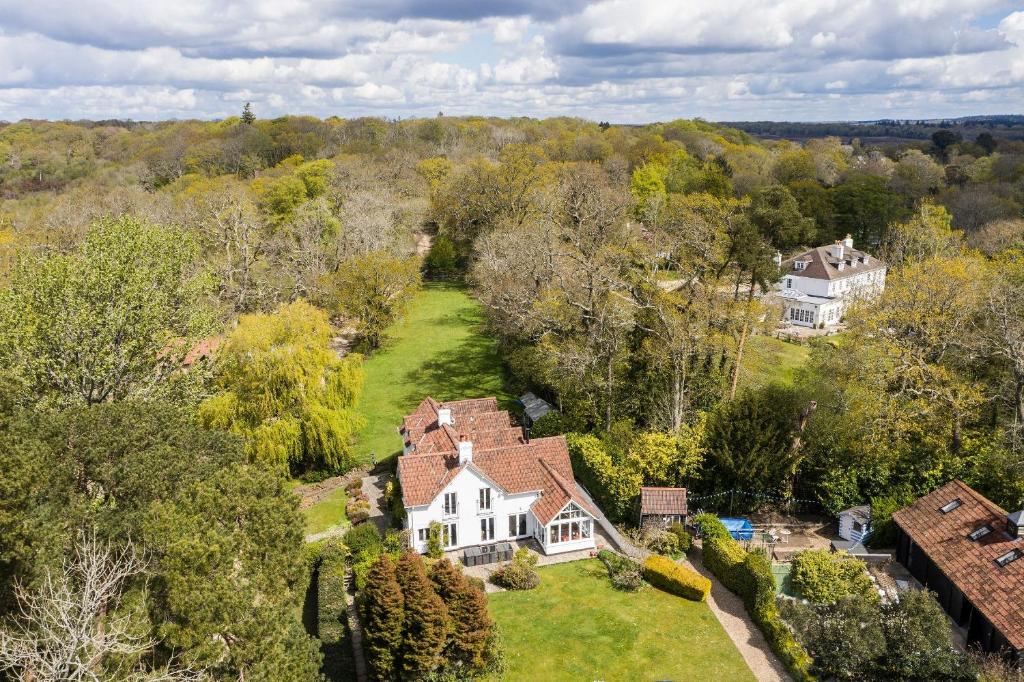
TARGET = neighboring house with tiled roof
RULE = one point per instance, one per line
(662, 506)
(819, 285)
(466, 466)
(970, 552)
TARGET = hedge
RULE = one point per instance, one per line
(667, 575)
(749, 575)
(332, 620)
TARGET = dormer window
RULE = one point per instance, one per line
(979, 533)
(951, 505)
(1009, 557)
(799, 265)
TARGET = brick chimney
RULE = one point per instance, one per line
(465, 450)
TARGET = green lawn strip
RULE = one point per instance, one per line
(326, 513)
(575, 626)
(767, 359)
(440, 349)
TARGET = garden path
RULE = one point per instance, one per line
(744, 633)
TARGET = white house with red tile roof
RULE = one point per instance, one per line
(819, 285)
(466, 466)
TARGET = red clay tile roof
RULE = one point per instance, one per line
(998, 592)
(464, 412)
(823, 265)
(663, 501)
(500, 455)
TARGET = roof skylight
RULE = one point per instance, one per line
(1009, 557)
(979, 533)
(951, 505)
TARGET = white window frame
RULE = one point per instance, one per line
(450, 538)
(517, 526)
(487, 529)
(451, 504)
(485, 503)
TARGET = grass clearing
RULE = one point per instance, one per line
(439, 349)
(326, 513)
(576, 626)
(767, 359)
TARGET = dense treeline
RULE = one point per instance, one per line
(172, 293)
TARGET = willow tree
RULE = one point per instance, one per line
(286, 392)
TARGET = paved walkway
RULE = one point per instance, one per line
(356, 628)
(373, 488)
(744, 633)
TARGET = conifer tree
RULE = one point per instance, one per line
(248, 118)
(471, 625)
(383, 614)
(426, 623)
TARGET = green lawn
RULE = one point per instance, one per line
(575, 626)
(767, 359)
(438, 349)
(330, 511)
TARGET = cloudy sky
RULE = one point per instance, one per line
(618, 60)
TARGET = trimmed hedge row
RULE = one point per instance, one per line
(666, 574)
(332, 621)
(750, 576)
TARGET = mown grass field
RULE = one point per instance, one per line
(327, 513)
(575, 626)
(439, 349)
(767, 359)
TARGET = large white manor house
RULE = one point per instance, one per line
(819, 285)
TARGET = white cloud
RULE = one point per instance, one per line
(629, 60)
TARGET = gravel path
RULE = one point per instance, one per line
(747, 637)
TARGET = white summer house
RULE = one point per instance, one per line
(466, 466)
(819, 285)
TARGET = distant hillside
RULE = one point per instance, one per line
(1009, 126)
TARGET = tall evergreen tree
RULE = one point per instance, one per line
(383, 615)
(248, 118)
(471, 625)
(426, 624)
(750, 442)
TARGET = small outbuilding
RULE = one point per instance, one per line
(661, 506)
(533, 408)
(855, 523)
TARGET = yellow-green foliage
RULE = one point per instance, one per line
(666, 574)
(286, 392)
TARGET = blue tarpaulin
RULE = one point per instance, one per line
(739, 529)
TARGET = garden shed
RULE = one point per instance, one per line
(855, 523)
(534, 408)
(661, 506)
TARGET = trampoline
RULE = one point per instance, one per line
(739, 528)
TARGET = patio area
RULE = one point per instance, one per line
(783, 536)
(483, 571)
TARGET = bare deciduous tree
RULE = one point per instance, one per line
(70, 629)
